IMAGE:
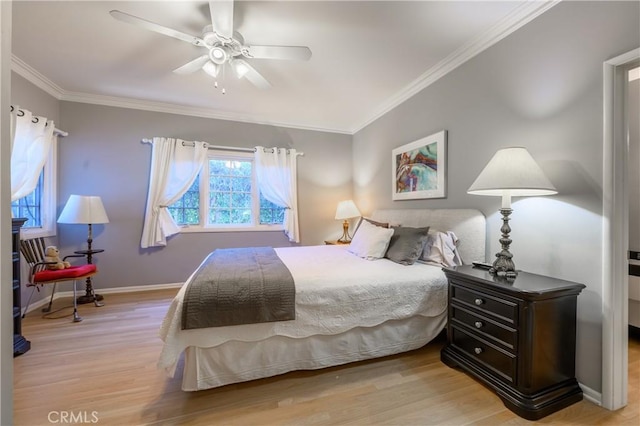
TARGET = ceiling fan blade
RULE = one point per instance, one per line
(243, 69)
(299, 53)
(151, 26)
(222, 17)
(193, 66)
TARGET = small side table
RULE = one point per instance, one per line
(88, 297)
(336, 243)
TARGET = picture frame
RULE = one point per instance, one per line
(419, 168)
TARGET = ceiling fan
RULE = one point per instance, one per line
(224, 45)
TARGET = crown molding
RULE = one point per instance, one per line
(520, 16)
(33, 76)
(29, 73)
(169, 108)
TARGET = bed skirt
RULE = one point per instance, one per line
(235, 361)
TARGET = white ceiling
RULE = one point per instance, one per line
(367, 55)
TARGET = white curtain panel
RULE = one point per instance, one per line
(277, 179)
(174, 168)
(31, 140)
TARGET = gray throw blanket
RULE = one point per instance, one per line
(239, 286)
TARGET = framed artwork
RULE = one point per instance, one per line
(420, 168)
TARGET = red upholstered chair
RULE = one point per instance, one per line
(33, 251)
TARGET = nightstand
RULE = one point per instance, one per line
(336, 243)
(518, 337)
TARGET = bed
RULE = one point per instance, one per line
(347, 309)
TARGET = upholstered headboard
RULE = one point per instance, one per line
(469, 225)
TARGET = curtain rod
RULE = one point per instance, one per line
(36, 119)
(222, 148)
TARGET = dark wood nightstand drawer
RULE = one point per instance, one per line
(490, 305)
(488, 355)
(491, 329)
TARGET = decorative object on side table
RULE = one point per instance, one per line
(89, 210)
(512, 172)
(517, 336)
(420, 168)
(346, 210)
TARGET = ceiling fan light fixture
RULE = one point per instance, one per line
(211, 69)
(241, 68)
(218, 54)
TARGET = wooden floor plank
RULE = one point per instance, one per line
(107, 365)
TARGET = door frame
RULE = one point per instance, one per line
(615, 233)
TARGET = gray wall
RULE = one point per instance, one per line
(540, 88)
(28, 96)
(103, 155)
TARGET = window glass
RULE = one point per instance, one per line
(227, 183)
(186, 210)
(30, 206)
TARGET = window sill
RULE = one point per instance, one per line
(197, 229)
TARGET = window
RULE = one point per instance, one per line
(228, 182)
(39, 207)
(30, 207)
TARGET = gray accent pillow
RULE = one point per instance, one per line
(406, 243)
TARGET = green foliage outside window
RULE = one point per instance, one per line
(230, 193)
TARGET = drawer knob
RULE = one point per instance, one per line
(479, 302)
(478, 351)
(478, 324)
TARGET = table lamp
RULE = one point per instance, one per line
(512, 172)
(84, 209)
(346, 210)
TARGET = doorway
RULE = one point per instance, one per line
(615, 232)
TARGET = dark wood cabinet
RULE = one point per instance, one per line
(20, 344)
(518, 337)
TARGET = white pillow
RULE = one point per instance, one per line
(440, 248)
(371, 241)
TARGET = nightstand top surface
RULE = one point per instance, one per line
(525, 282)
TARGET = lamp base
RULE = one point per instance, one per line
(345, 238)
(503, 266)
(89, 298)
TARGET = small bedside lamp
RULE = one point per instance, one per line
(346, 210)
(512, 172)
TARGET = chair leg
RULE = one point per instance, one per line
(76, 317)
(26, 309)
(95, 299)
(48, 308)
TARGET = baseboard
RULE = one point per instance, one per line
(45, 300)
(591, 395)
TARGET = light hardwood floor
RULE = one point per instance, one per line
(104, 370)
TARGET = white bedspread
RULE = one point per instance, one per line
(335, 292)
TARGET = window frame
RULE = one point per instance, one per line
(49, 196)
(204, 195)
